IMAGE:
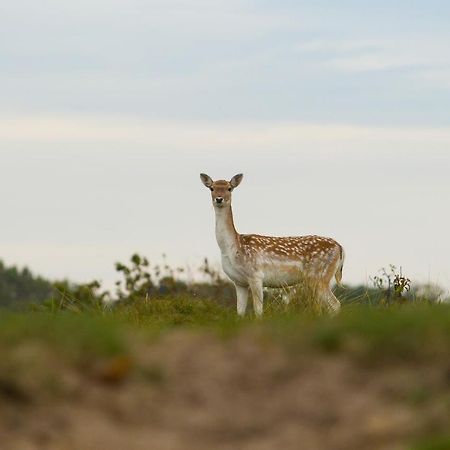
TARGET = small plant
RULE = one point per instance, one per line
(137, 282)
(76, 297)
(392, 283)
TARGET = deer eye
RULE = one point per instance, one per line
(211, 189)
(229, 189)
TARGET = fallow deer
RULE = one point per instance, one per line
(254, 261)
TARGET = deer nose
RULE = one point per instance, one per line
(219, 199)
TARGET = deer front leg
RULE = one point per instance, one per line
(256, 287)
(242, 297)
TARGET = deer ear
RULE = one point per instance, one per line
(206, 180)
(236, 180)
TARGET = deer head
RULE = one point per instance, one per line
(221, 189)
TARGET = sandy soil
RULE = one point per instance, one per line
(197, 392)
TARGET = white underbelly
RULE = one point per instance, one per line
(273, 274)
(280, 275)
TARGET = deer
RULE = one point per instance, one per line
(252, 261)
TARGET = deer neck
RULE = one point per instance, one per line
(226, 234)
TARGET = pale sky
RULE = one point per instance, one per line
(337, 113)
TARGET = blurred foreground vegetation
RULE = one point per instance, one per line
(407, 332)
(389, 320)
(43, 350)
(60, 339)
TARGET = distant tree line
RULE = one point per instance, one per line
(19, 287)
(138, 280)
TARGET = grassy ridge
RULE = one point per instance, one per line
(398, 331)
(44, 351)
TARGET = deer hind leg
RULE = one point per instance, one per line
(330, 301)
(242, 297)
(256, 286)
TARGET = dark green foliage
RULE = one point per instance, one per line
(137, 281)
(19, 287)
(77, 297)
(141, 281)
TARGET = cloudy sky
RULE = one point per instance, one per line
(336, 112)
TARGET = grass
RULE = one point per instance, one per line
(76, 336)
(440, 442)
(405, 332)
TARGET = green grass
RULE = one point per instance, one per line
(377, 333)
(167, 313)
(77, 336)
(402, 332)
(441, 442)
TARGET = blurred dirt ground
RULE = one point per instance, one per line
(197, 391)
